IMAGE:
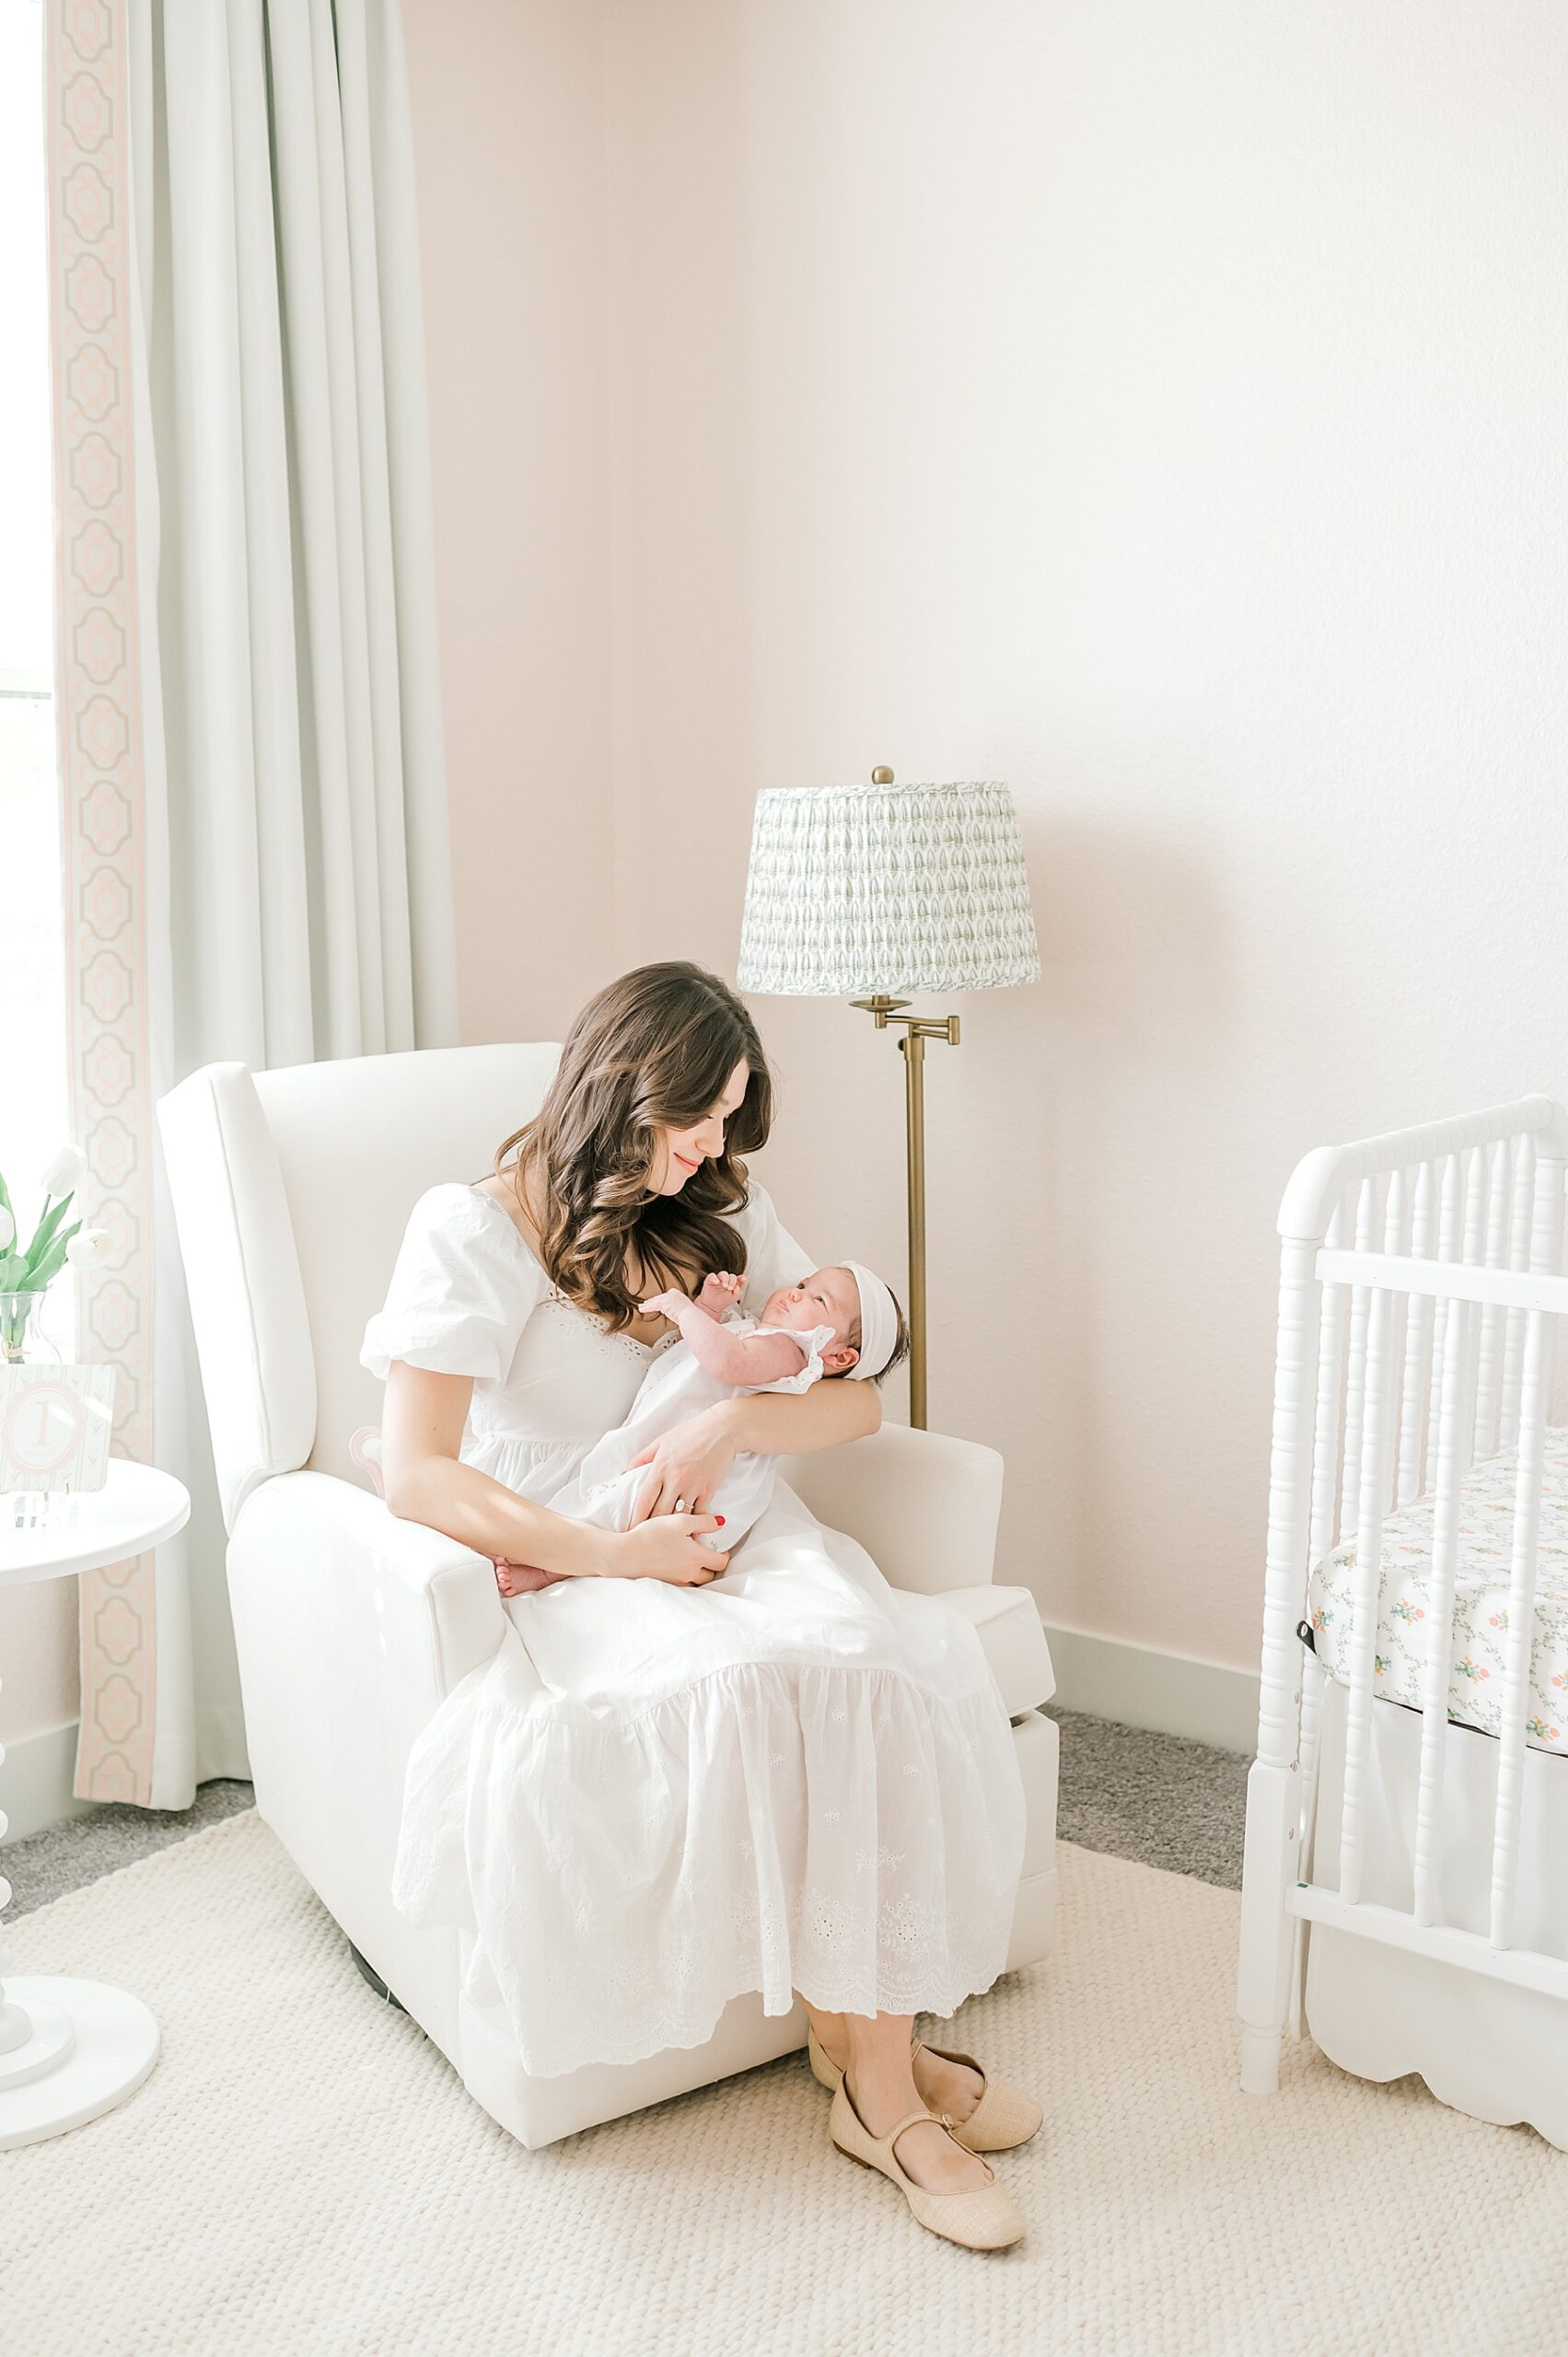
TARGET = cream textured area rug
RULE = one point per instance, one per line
(303, 2174)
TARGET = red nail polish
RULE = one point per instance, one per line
(719, 1519)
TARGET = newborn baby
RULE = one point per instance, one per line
(840, 1321)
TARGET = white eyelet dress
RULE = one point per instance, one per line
(606, 1486)
(652, 1798)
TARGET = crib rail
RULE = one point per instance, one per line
(1420, 1289)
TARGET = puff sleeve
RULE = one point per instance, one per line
(820, 1338)
(463, 1289)
(772, 1255)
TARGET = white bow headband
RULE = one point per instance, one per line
(878, 1321)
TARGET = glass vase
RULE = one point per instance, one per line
(23, 1341)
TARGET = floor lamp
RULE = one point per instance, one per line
(865, 892)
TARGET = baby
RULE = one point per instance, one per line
(840, 1321)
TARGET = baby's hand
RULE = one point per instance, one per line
(666, 1305)
(720, 1291)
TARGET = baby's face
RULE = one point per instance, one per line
(827, 1297)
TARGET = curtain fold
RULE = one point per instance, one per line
(295, 894)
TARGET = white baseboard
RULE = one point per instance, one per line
(35, 1780)
(1166, 1693)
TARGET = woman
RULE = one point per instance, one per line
(669, 1786)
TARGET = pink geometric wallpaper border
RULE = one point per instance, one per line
(103, 831)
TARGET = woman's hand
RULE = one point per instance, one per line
(667, 1549)
(686, 1465)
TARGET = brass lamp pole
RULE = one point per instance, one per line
(917, 1029)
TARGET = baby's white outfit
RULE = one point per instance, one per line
(676, 1385)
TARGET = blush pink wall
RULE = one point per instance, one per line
(508, 130)
(1149, 406)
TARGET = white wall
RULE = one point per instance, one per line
(1162, 410)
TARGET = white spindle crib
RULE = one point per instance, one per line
(1403, 1893)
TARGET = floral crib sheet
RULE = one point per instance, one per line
(1481, 1601)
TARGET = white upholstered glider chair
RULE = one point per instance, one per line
(290, 1190)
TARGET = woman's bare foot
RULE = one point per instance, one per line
(951, 2088)
(883, 2094)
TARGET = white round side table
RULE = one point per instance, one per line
(71, 2049)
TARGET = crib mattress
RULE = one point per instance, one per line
(1481, 1601)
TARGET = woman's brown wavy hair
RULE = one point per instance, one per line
(654, 1049)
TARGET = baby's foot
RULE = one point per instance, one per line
(521, 1579)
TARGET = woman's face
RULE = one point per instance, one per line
(678, 1154)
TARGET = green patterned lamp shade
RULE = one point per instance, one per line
(886, 889)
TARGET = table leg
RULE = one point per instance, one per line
(69, 2048)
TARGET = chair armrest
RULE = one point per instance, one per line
(351, 1629)
(925, 1506)
(343, 1553)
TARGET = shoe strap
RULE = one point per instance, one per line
(909, 2120)
(891, 2138)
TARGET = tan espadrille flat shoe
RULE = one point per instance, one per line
(983, 2219)
(822, 2065)
(1004, 2116)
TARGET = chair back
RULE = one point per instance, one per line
(290, 1190)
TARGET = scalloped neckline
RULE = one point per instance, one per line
(556, 1293)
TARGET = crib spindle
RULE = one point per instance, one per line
(1489, 1364)
(1313, 1678)
(1534, 1392)
(1472, 1252)
(1325, 1415)
(1397, 1223)
(1448, 1250)
(1321, 1532)
(1521, 1627)
(1355, 1372)
(1417, 1341)
(1368, 1582)
(1518, 1258)
(1439, 1666)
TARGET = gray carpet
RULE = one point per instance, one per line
(61, 1857)
(1132, 1794)
(1155, 1798)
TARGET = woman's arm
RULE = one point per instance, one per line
(425, 1480)
(692, 1458)
(774, 1423)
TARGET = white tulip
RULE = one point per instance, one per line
(66, 1172)
(88, 1244)
(7, 1229)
